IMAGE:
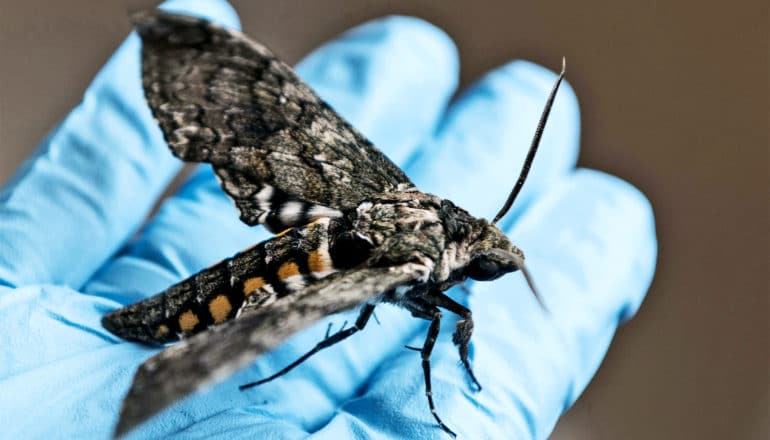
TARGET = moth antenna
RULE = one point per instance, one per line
(530, 281)
(533, 146)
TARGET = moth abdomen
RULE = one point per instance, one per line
(253, 278)
(185, 308)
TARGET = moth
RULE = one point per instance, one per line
(351, 228)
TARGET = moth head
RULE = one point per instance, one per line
(493, 256)
(492, 263)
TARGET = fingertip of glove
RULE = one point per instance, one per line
(218, 11)
(427, 42)
(627, 198)
(540, 78)
(637, 215)
(535, 80)
(407, 44)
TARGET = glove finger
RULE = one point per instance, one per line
(591, 240)
(486, 134)
(93, 180)
(592, 247)
(371, 75)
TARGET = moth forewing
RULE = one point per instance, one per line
(215, 354)
(279, 152)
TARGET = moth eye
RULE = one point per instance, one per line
(483, 269)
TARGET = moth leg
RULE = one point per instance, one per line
(329, 340)
(463, 330)
(435, 323)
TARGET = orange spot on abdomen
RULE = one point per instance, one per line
(288, 269)
(253, 284)
(161, 331)
(220, 308)
(317, 261)
(187, 321)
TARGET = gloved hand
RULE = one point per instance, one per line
(70, 252)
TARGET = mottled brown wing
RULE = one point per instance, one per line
(222, 98)
(217, 353)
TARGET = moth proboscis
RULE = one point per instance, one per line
(356, 231)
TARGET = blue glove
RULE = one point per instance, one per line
(73, 246)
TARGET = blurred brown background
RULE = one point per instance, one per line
(674, 98)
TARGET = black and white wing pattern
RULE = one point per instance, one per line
(282, 154)
(210, 356)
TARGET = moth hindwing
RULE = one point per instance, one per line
(355, 230)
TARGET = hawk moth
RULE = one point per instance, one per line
(351, 228)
